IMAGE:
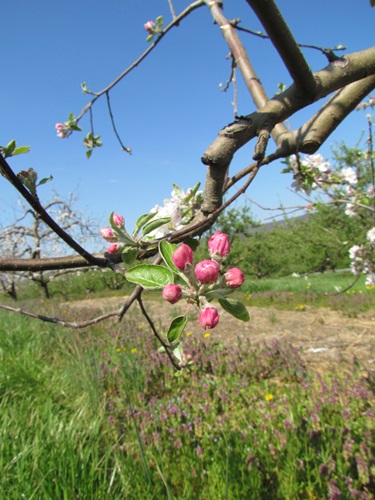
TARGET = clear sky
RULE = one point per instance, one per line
(168, 110)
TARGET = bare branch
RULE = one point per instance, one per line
(61, 322)
(284, 42)
(243, 63)
(219, 154)
(312, 134)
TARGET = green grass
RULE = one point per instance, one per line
(337, 291)
(100, 413)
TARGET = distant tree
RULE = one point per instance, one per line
(29, 237)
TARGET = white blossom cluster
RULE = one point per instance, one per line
(313, 172)
(363, 258)
(180, 209)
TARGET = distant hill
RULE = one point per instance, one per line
(277, 223)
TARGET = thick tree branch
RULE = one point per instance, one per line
(313, 134)
(338, 74)
(242, 60)
(284, 42)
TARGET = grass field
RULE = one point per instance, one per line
(100, 414)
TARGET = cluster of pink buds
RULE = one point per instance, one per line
(113, 236)
(206, 279)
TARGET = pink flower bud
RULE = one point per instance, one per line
(209, 318)
(108, 234)
(113, 249)
(234, 277)
(118, 220)
(182, 256)
(219, 244)
(149, 26)
(172, 293)
(61, 130)
(207, 271)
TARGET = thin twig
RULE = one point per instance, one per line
(155, 332)
(328, 52)
(175, 22)
(123, 147)
(61, 322)
(173, 12)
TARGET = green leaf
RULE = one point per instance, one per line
(88, 153)
(142, 220)
(21, 150)
(149, 38)
(372, 3)
(176, 328)
(9, 148)
(149, 277)
(44, 180)
(129, 254)
(177, 352)
(218, 294)
(154, 224)
(166, 250)
(235, 308)
(193, 192)
(159, 21)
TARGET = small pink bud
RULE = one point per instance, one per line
(207, 271)
(182, 256)
(172, 293)
(234, 277)
(61, 130)
(209, 318)
(149, 26)
(118, 220)
(219, 244)
(113, 249)
(108, 234)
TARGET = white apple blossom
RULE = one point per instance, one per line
(371, 236)
(180, 208)
(349, 175)
(349, 210)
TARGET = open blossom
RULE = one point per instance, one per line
(349, 175)
(61, 130)
(349, 210)
(207, 271)
(371, 236)
(172, 293)
(108, 234)
(234, 277)
(182, 256)
(209, 318)
(316, 161)
(354, 251)
(219, 244)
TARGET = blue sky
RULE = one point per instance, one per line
(168, 110)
